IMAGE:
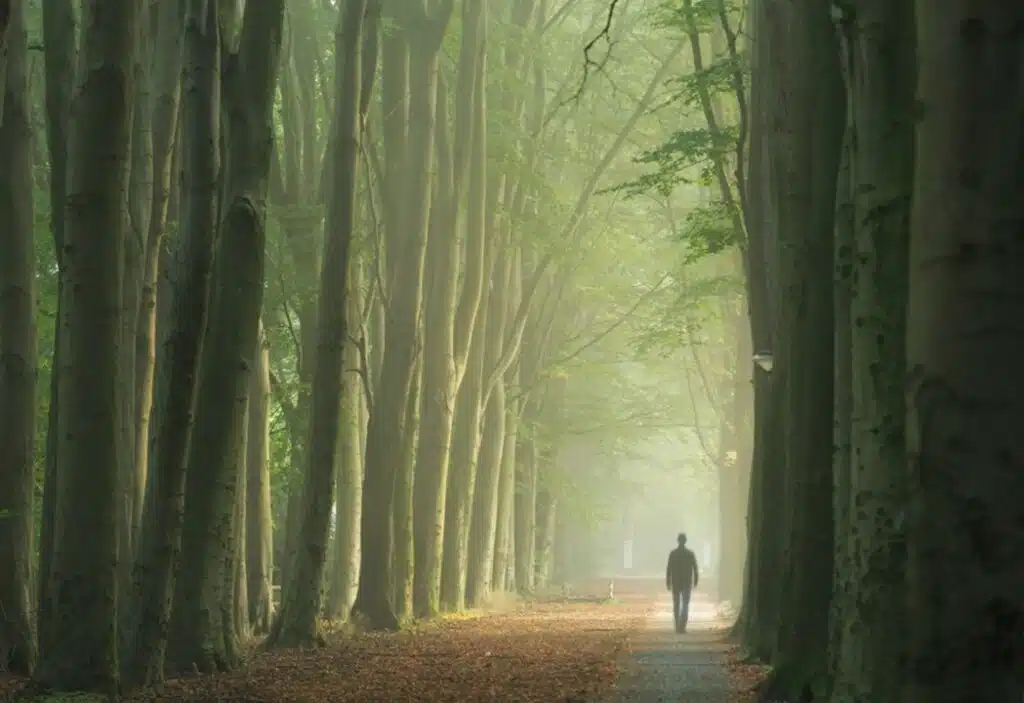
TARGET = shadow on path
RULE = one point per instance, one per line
(666, 666)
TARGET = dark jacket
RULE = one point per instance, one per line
(681, 572)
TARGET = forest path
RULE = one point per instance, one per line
(664, 666)
(569, 650)
(554, 652)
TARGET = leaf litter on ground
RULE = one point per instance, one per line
(537, 652)
(744, 677)
(563, 650)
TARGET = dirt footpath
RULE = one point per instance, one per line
(665, 666)
(563, 651)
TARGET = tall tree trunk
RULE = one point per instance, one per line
(297, 622)
(734, 468)
(450, 313)
(484, 522)
(258, 516)
(755, 624)
(403, 556)
(140, 192)
(165, 74)
(17, 354)
(547, 521)
(842, 280)
(504, 536)
(301, 217)
(348, 491)
(80, 651)
(462, 480)
(236, 612)
(386, 428)
(505, 514)
(59, 64)
(197, 624)
(881, 93)
(810, 142)
(6, 30)
(526, 503)
(176, 404)
(965, 543)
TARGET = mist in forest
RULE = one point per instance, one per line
(323, 318)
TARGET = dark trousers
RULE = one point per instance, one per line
(681, 607)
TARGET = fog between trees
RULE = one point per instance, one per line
(373, 310)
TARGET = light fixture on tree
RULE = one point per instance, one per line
(764, 360)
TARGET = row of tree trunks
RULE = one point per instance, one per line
(175, 403)
(59, 36)
(200, 635)
(450, 314)
(17, 348)
(297, 622)
(216, 522)
(409, 59)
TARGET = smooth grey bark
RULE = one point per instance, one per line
(526, 503)
(348, 491)
(547, 521)
(79, 652)
(297, 193)
(156, 563)
(403, 554)
(165, 78)
(881, 92)
(466, 437)
(764, 531)
(140, 192)
(200, 637)
(484, 523)
(58, 62)
(406, 249)
(297, 623)
(258, 516)
(17, 351)
(504, 541)
(450, 313)
(809, 148)
(842, 280)
(734, 461)
(236, 608)
(965, 544)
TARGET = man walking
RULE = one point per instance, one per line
(681, 578)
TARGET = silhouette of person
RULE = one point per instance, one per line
(681, 578)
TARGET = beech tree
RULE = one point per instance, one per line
(17, 349)
(78, 652)
(309, 351)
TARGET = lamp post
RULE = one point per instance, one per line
(764, 360)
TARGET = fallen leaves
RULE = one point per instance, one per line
(569, 650)
(744, 678)
(546, 652)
